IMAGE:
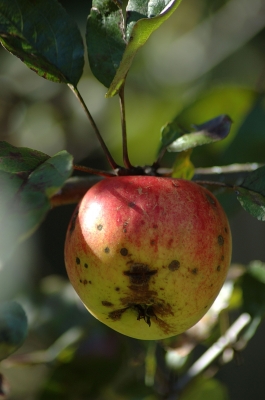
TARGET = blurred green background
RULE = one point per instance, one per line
(207, 60)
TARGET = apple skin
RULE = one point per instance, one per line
(148, 255)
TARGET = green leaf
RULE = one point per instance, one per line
(209, 132)
(105, 41)
(183, 167)
(139, 28)
(253, 288)
(203, 388)
(28, 179)
(255, 181)
(13, 328)
(252, 202)
(44, 37)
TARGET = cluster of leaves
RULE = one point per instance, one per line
(48, 41)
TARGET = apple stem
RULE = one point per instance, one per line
(110, 159)
(93, 171)
(126, 159)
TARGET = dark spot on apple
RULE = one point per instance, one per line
(106, 250)
(131, 204)
(124, 252)
(220, 240)
(161, 288)
(152, 242)
(85, 282)
(116, 315)
(218, 268)
(73, 221)
(117, 289)
(174, 265)
(155, 226)
(145, 312)
(80, 280)
(86, 266)
(206, 306)
(211, 200)
(125, 224)
(89, 282)
(107, 303)
(194, 271)
(139, 274)
(77, 260)
(226, 230)
(99, 227)
(170, 242)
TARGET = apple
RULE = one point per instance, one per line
(148, 255)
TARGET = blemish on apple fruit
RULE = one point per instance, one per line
(85, 282)
(174, 265)
(77, 260)
(107, 303)
(139, 274)
(117, 289)
(99, 227)
(86, 265)
(131, 204)
(152, 242)
(106, 250)
(222, 257)
(218, 268)
(89, 282)
(124, 252)
(221, 240)
(116, 314)
(155, 226)
(194, 271)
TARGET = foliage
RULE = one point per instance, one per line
(49, 42)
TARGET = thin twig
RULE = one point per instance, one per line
(110, 159)
(126, 160)
(227, 340)
(93, 171)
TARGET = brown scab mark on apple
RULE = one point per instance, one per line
(139, 274)
(218, 268)
(124, 251)
(194, 271)
(124, 226)
(99, 227)
(83, 281)
(107, 303)
(86, 265)
(117, 289)
(144, 312)
(106, 250)
(131, 204)
(77, 260)
(221, 240)
(174, 265)
(116, 314)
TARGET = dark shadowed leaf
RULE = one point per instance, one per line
(105, 40)
(44, 37)
(209, 132)
(28, 179)
(251, 193)
(253, 288)
(13, 328)
(144, 17)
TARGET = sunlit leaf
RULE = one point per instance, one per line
(13, 328)
(183, 167)
(209, 132)
(139, 31)
(44, 37)
(105, 40)
(252, 202)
